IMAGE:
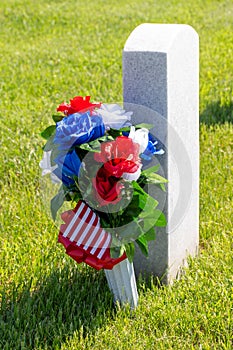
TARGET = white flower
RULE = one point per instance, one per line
(47, 168)
(132, 176)
(114, 116)
(140, 136)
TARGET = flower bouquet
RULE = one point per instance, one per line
(102, 164)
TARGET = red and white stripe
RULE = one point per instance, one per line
(84, 229)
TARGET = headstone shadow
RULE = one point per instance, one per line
(217, 113)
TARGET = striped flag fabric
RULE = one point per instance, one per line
(84, 239)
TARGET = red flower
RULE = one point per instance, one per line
(77, 104)
(119, 156)
(108, 188)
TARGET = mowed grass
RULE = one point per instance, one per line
(54, 50)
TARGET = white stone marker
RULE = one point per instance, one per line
(161, 73)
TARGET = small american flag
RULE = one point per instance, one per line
(84, 238)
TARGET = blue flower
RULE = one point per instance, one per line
(68, 166)
(77, 129)
(151, 149)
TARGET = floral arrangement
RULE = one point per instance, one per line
(102, 163)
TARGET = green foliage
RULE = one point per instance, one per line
(94, 146)
(149, 176)
(135, 223)
(48, 132)
(129, 249)
(143, 244)
(52, 50)
(49, 144)
(144, 125)
(57, 118)
(115, 133)
(57, 202)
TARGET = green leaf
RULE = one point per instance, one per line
(133, 209)
(150, 170)
(150, 211)
(114, 133)
(144, 125)
(129, 249)
(88, 147)
(130, 231)
(122, 249)
(141, 214)
(161, 219)
(54, 154)
(57, 117)
(56, 203)
(163, 188)
(49, 144)
(114, 252)
(145, 200)
(149, 176)
(142, 241)
(150, 235)
(138, 188)
(143, 245)
(76, 197)
(48, 132)
(125, 128)
(148, 217)
(94, 146)
(156, 179)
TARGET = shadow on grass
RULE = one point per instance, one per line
(67, 301)
(216, 113)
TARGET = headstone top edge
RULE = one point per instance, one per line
(157, 37)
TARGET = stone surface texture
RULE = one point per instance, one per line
(161, 86)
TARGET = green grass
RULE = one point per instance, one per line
(51, 51)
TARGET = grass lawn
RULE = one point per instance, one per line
(51, 51)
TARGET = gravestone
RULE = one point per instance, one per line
(161, 86)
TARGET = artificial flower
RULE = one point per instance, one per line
(119, 162)
(68, 166)
(114, 116)
(132, 176)
(107, 187)
(78, 129)
(119, 156)
(151, 149)
(47, 168)
(139, 136)
(77, 104)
